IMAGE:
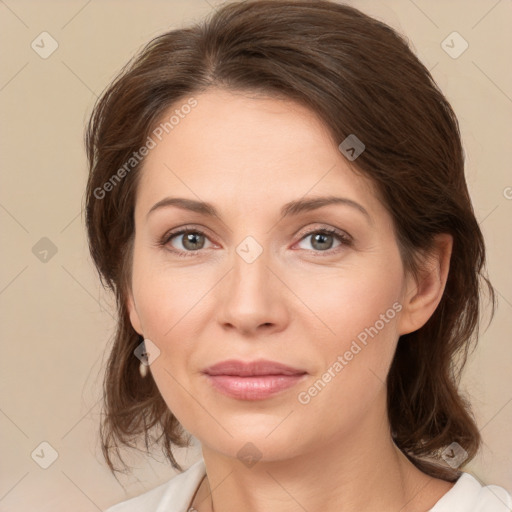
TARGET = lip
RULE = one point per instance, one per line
(259, 367)
(254, 380)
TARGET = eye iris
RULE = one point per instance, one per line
(191, 238)
(320, 237)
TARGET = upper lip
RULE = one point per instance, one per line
(251, 368)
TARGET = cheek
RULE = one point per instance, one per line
(171, 304)
(165, 303)
(359, 310)
(165, 295)
(349, 302)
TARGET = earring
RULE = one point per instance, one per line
(144, 360)
(143, 370)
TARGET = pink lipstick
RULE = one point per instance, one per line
(255, 380)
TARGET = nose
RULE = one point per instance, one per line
(251, 297)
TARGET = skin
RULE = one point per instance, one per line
(300, 303)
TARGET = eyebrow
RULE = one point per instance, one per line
(292, 208)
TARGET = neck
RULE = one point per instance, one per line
(363, 471)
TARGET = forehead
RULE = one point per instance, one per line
(246, 149)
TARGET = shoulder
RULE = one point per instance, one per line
(171, 496)
(468, 495)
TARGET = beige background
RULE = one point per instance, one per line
(56, 321)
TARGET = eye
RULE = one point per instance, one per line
(186, 240)
(322, 240)
(189, 241)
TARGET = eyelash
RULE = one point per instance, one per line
(345, 240)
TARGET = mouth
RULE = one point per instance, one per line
(255, 380)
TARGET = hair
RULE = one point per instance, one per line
(360, 77)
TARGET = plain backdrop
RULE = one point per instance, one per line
(57, 322)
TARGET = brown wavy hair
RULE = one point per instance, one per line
(360, 77)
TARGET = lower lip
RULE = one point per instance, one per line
(253, 388)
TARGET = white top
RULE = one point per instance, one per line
(467, 495)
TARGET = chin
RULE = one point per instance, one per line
(257, 442)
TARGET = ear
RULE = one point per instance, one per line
(423, 292)
(134, 316)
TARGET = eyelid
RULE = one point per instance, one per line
(325, 228)
(343, 237)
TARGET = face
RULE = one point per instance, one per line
(317, 289)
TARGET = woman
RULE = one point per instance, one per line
(277, 199)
